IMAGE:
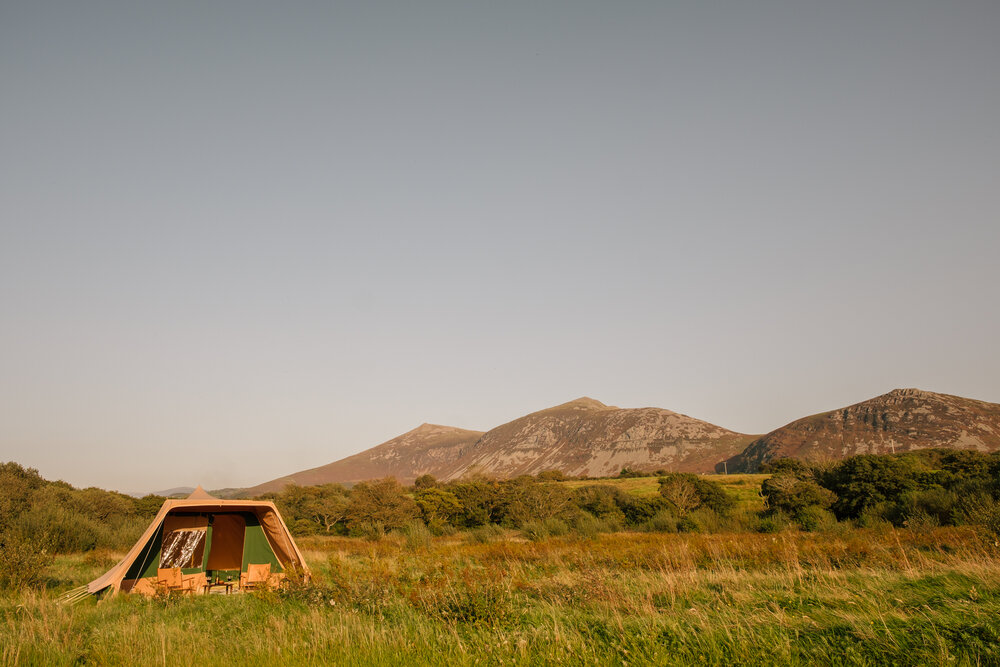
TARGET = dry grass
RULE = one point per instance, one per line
(848, 597)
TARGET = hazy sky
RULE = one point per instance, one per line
(239, 239)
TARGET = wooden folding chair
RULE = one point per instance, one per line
(257, 576)
(170, 578)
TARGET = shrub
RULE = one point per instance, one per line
(664, 521)
(936, 503)
(864, 481)
(416, 534)
(22, 559)
(874, 517)
(485, 534)
(789, 494)
(601, 500)
(982, 510)
(373, 531)
(920, 521)
(523, 499)
(427, 481)
(479, 499)
(774, 522)
(814, 517)
(701, 520)
(441, 529)
(556, 527)
(64, 530)
(535, 531)
(787, 466)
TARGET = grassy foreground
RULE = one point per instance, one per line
(851, 596)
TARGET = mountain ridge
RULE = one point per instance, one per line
(581, 436)
(900, 420)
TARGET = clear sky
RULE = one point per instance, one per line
(239, 239)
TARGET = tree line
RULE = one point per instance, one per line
(915, 489)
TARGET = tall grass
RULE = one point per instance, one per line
(857, 596)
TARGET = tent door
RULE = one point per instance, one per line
(226, 551)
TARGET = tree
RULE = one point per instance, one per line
(601, 500)
(425, 481)
(438, 505)
(791, 495)
(863, 481)
(326, 505)
(382, 503)
(680, 493)
(687, 492)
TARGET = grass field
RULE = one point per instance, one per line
(849, 596)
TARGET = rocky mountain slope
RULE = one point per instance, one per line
(902, 420)
(580, 437)
(427, 448)
(587, 437)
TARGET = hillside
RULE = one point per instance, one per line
(583, 436)
(901, 420)
(427, 448)
(587, 437)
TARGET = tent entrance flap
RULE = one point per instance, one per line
(184, 539)
(226, 552)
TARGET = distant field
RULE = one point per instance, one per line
(847, 596)
(746, 488)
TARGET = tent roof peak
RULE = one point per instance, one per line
(201, 494)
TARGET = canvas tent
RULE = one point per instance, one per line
(199, 537)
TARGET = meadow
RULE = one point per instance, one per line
(875, 561)
(872, 596)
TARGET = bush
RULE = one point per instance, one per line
(920, 521)
(874, 517)
(787, 466)
(427, 481)
(815, 518)
(864, 481)
(935, 503)
(981, 510)
(486, 534)
(789, 494)
(65, 531)
(535, 531)
(601, 500)
(556, 527)
(373, 531)
(774, 522)
(664, 521)
(702, 520)
(416, 534)
(22, 559)
(441, 529)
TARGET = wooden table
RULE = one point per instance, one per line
(227, 584)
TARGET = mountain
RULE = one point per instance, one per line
(427, 448)
(169, 493)
(588, 437)
(899, 421)
(583, 436)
